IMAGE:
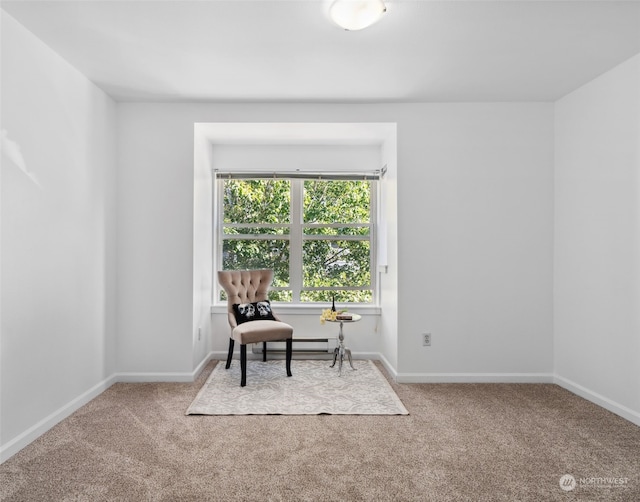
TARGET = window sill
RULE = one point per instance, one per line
(314, 309)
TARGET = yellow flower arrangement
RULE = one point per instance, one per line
(330, 315)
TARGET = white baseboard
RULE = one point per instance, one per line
(604, 402)
(388, 366)
(474, 378)
(165, 377)
(32, 433)
(202, 364)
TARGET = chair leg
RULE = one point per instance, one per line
(289, 353)
(264, 352)
(243, 364)
(230, 356)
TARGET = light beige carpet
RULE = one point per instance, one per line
(315, 388)
(461, 442)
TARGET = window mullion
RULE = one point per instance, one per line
(295, 242)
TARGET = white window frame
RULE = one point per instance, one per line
(296, 238)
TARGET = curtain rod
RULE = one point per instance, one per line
(307, 175)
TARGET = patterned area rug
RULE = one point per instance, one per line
(314, 389)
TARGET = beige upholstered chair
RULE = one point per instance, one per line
(244, 287)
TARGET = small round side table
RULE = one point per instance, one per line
(340, 351)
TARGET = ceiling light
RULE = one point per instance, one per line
(356, 14)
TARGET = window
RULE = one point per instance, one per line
(316, 234)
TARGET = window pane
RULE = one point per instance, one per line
(255, 231)
(361, 296)
(336, 263)
(256, 201)
(361, 231)
(252, 254)
(336, 201)
(280, 296)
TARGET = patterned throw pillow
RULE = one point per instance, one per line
(256, 311)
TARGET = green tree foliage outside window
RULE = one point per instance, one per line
(335, 230)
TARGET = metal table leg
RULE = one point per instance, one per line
(340, 351)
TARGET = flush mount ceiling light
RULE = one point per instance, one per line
(356, 14)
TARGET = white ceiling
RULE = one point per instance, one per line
(278, 50)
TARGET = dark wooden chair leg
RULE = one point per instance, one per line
(230, 356)
(264, 352)
(243, 364)
(289, 353)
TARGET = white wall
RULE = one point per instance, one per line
(155, 203)
(58, 231)
(597, 233)
(475, 242)
(202, 249)
(474, 233)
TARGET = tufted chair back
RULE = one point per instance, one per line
(245, 286)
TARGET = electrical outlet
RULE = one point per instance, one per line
(426, 339)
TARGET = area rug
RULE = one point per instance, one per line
(315, 388)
